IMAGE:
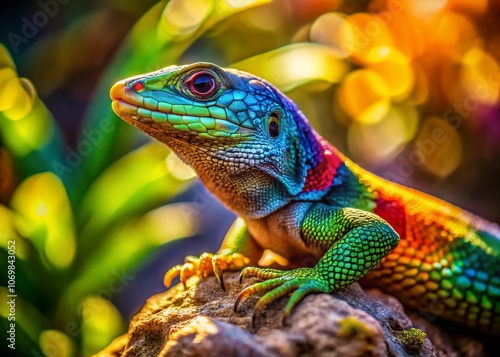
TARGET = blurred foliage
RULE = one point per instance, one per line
(406, 88)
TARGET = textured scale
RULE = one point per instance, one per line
(296, 195)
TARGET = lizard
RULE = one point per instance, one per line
(298, 196)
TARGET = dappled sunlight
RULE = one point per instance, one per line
(479, 76)
(7, 74)
(370, 36)
(425, 9)
(8, 232)
(172, 221)
(333, 30)
(364, 96)
(181, 18)
(476, 8)
(396, 73)
(18, 96)
(101, 322)
(295, 65)
(450, 34)
(384, 139)
(240, 3)
(28, 126)
(44, 215)
(56, 344)
(29, 131)
(140, 177)
(439, 147)
(428, 53)
(420, 90)
(179, 169)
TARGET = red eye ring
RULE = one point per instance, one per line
(138, 86)
(202, 84)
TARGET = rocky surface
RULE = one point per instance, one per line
(200, 322)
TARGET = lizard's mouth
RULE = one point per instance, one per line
(146, 111)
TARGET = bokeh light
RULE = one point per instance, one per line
(45, 216)
(364, 96)
(295, 65)
(183, 18)
(439, 147)
(412, 62)
(56, 344)
(384, 139)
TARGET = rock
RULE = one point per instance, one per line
(353, 322)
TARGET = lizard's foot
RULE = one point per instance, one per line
(204, 265)
(279, 283)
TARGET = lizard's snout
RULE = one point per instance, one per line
(116, 91)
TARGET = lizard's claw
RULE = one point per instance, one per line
(279, 283)
(204, 265)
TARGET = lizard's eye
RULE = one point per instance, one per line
(138, 86)
(273, 125)
(202, 84)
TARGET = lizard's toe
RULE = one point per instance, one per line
(261, 273)
(205, 265)
(304, 281)
(193, 266)
(221, 262)
(171, 274)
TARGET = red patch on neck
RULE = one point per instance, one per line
(321, 176)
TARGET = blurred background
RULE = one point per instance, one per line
(98, 212)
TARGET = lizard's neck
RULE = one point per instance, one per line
(248, 191)
(250, 194)
(324, 167)
(306, 171)
(255, 193)
(335, 179)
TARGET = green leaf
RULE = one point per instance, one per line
(27, 318)
(27, 128)
(294, 65)
(122, 250)
(138, 182)
(44, 216)
(55, 343)
(101, 323)
(5, 58)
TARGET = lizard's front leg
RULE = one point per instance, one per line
(237, 250)
(355, 242)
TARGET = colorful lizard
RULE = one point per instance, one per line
(298, 196)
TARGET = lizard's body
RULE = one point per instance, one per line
(297, 196)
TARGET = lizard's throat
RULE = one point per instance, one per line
(248, 193)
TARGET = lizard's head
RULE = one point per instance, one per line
(225, 123)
